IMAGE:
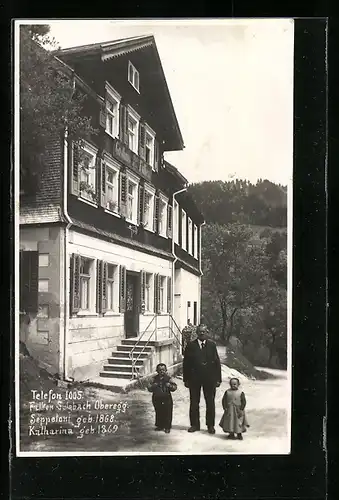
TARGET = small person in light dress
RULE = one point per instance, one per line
(234, 420)
(161, 387)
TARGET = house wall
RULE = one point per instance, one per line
(91, 339)
(42, 334)
(187, 288)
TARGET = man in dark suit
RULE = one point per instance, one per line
(202, 369)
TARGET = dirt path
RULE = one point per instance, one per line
(267, 403)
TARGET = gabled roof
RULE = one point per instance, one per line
(116, 48)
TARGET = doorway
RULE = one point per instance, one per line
(132, 304)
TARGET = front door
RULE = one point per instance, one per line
(132, 305)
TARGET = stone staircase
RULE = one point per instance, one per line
(119, 365)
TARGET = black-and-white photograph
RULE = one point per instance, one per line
(153, 183)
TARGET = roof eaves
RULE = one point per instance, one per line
(79, 80)
(181, 140)
(174, 171)
(111, 52)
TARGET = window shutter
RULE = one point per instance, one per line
(75, 169)
(156, 156)
(102, 117)
(122, 284)
(156, 214)
(29, 276)
(104, 287)
(123, 194)
(142, 141)
(169, 295)
(122, 122)
(99, 286)
(142, 287)
(103, 184)
(75, 283)
(98, 178)
(123, 132)
(156, 294)
(169, 221)
(141, 198)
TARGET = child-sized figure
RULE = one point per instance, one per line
(161, 387)
(234, 419)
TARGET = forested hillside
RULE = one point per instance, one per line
(244, 261)
(261, 204)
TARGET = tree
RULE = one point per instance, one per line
(235, 272)
(277, 257)
(50, 103)
(274, 317)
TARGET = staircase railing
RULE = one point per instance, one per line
(132, 354)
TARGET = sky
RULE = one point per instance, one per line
(231, 83)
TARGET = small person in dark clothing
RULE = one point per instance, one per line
(234, 419)
(161, 386)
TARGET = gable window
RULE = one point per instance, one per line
(148, 208)
(162, 217)
(112, 111)
(132, 201)
(132, 129)
(133, 76)
(183, 230)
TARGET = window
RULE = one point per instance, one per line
(162, 217)
(132, 134)
(112, 111)
(133, 76)
(149, 146)
(183, 230)
(176, 222)
(195, 313)
(148, 209)
(85, 277)
(132, 202)
(112, 187)
(162, 291)
(43, 285)
(148, 292)
(87, 165)
(190, 237)
(43, 311)
(195, 242)
(43, 260)
(111, 286)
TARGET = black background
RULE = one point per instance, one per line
(302, 474)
